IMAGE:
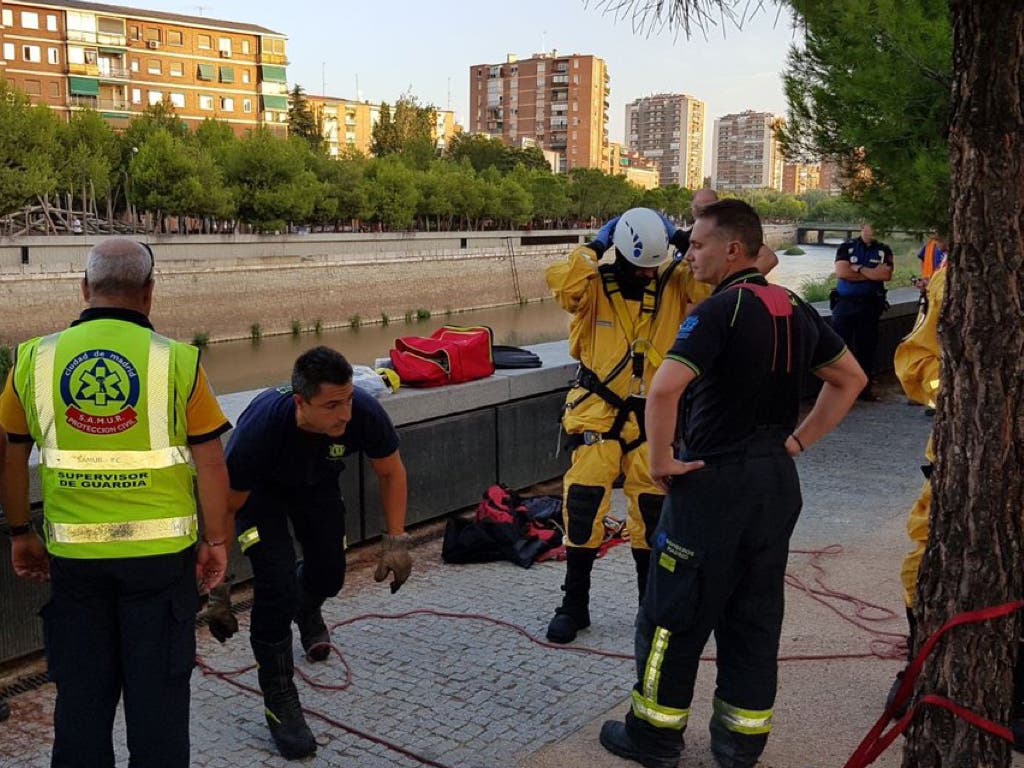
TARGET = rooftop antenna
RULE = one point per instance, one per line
(544, 41)
(323, 78)
(201, 8)
(449, 94)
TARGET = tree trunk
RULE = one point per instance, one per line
(973, 558)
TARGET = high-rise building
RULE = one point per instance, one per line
(745, 152)
(349, 123)
(561, 102)
(71, 55)
(668, 130)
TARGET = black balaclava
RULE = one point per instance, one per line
(630, 281)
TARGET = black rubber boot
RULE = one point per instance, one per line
(642, 558)
(735, 750)
(5, 711)
(574, 612)
(616, 738)
(313, 632)
(287, 724)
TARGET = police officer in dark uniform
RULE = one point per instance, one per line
(863, 267)
(732, 382)
(284, 459)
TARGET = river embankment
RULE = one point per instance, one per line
(225, 287)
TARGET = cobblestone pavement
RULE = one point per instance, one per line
(466, 693)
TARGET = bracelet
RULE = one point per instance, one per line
(209, 543)
(19, 530)
(793, 435)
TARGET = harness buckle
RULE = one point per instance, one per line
(592, 437)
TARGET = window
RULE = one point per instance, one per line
(53, 55)
(32, 53)
(206, 102)
(245, 75)
(51, 22)
(176, 68)
(204, 41)
(224, 44)
(247, 105)
(228, 105)
(153, 66)
(174, 37)
(134, 65)
(54, 89)
(90, 56)
(151, 34)
(29, 20)
(245, 47)
(155, 97)
(7, 17)
(133, 32)
(136, 95)
(178, 100)
(9, 51)
(33, 87)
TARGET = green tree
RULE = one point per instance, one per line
(87, 159)
(407, 131)
(482, 152)
(392, 194)
(272, 184)
(550, 197)
(883, 121)
(514, 202)
(27, 139)
(302, 122)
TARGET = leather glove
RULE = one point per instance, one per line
(394, 558)
(603, 239)
(219, 618)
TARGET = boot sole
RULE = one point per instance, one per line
(636, 756)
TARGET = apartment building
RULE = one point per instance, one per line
(118, 60)
(349, 123)
(798, 178)
(637, 169)
(746, 153)
(668, 130)
(561, 102)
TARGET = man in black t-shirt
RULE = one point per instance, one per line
(732, 382)
(284, 459)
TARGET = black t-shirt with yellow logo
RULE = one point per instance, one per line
(268, 454)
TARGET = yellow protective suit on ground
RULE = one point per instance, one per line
(917, 366)
(604, 329)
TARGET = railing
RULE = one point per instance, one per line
(115, 73)
(92, 70)
(272, 58)
(92, 102)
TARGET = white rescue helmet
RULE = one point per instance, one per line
(641, 238)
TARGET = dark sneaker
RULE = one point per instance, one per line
(316, 640)
(565, 625)
(616, 739)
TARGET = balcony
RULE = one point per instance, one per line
(81, 36)
(89, 70)
(278, 59)
(115, 73)
(560, 79)
(118, 40)
(92, 102)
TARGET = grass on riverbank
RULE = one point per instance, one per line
(906, 267)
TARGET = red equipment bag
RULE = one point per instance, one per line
(450, 355)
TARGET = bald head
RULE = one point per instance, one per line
(119, 267)
(702, 198)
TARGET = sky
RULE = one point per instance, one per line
(389, 47)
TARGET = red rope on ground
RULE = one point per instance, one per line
(884, 646)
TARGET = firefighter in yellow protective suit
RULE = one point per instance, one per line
(625, 314)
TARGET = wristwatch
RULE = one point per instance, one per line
(19, 530)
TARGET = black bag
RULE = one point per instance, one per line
(514, 357)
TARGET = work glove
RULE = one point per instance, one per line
(603, 239)
(394, 558)
(219, 618)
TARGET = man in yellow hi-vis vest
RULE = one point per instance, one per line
(118, 413)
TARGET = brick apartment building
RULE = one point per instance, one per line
(118, 60)
(349, 123)
(560, 102)
(668, 130)
(746, 152)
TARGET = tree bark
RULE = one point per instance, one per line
(973, 559)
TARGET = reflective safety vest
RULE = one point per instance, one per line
(105, 402)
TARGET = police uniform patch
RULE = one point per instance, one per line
(687, 327)
(100, 389)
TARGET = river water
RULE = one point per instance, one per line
(236, 366)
